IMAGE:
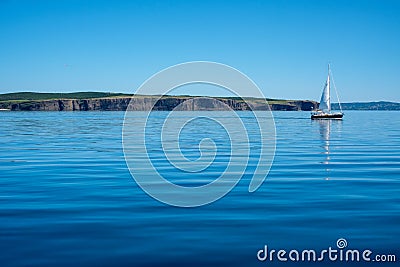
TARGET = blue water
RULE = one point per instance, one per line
(67, 197)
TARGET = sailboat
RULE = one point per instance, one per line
(324, 110)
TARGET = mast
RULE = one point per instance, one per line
(328, 90)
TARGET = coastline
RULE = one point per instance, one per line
(140, 103)
(100, 101)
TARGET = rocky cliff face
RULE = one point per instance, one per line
(146, 103)
(70, 105)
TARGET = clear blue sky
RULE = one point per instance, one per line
(284, 46)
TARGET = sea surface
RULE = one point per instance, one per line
(67, 197)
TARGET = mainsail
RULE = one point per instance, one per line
(325, 103)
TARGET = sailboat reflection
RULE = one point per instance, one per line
(325, 133)
(326, 129)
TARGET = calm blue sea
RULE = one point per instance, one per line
(67, 197)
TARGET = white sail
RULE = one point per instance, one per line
(325, 103)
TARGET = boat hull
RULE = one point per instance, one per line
(326, 116)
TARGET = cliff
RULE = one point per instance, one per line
(145, 102)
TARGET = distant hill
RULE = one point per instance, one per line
(90, 95)
(48, 96)
(381, 105)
